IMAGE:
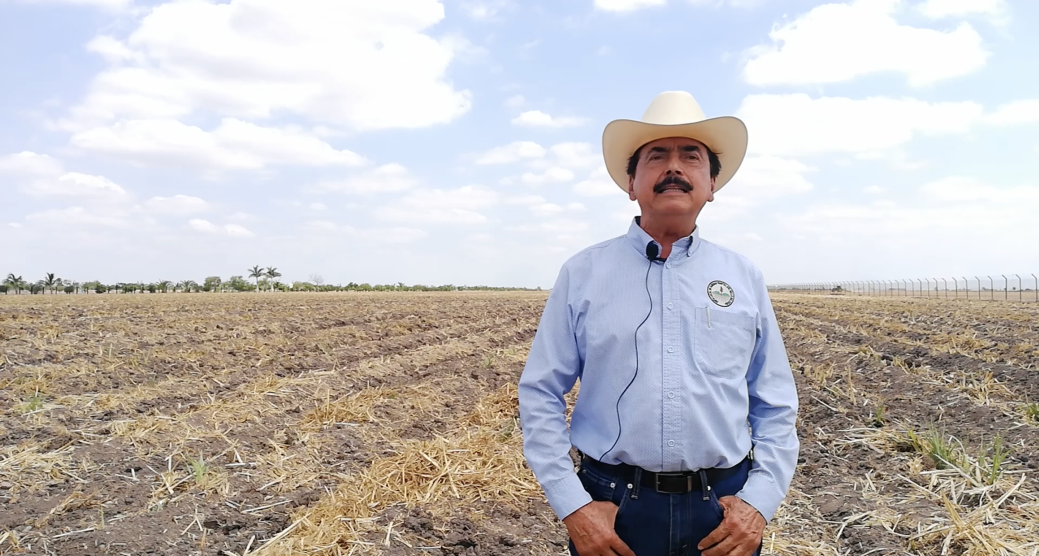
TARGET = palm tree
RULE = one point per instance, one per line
(164, 285)
(272, 273)
(256, 272)
(49, 281)
(15, 282)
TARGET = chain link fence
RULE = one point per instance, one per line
(1006, 287)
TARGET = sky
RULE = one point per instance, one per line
(460, 141)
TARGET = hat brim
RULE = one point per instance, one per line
(725, 135)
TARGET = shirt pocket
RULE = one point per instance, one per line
(723, 342)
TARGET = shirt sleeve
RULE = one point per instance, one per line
(552, 368)
(773, 415)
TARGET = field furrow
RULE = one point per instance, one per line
(334, 424)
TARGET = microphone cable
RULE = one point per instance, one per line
(651, 255)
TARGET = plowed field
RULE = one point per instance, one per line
(387, 424)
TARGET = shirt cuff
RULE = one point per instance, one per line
(566, 495)
(761, 493)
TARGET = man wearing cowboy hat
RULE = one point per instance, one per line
(685, 420)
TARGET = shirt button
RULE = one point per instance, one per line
(670, 394)
(670, 305)
(670, 442)
(667, 265)
(670, 350)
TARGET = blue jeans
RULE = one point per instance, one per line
(656, 524)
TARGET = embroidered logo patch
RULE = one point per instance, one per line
(720, 293)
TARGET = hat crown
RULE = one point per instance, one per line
(673, 107)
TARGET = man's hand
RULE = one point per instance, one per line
(739, 533)
(591, 529)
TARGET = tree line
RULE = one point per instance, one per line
(264, 279)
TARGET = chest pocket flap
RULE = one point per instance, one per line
(724, 342)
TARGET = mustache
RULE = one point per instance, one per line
(672, 180)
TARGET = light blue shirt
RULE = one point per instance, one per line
(709, 371)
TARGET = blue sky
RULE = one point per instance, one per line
(460, 141)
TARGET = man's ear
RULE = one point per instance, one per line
(631, 187)
(711, 197)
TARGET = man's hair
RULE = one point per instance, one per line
(716, 165)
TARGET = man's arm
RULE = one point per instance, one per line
(773, 415)
(551, 370)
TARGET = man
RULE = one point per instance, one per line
(685, 418)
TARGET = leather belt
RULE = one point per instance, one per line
(681, 482)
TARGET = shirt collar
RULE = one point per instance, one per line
(638, 238)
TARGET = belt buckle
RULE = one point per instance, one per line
(688, 482)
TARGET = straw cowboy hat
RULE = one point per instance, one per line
(674, 114)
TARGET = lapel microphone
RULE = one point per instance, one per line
(652, 251)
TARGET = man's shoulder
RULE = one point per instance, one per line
(588, 255)
(731, 257)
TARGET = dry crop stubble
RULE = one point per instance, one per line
(386, 424)
(888, 495)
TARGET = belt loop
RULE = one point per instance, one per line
(704, 485)
(636, 482)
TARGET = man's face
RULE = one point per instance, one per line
(672, 178)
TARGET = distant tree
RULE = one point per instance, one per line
(211, 283)
(70, 289)
(257, 273)
(3, 289)
(317, 280)
(272, 273)
(164, 285)
(49, 281)
(17, 283)
(238, 283)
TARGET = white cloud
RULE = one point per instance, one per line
(937, 9)
(365, 66)
(452, 206)
(762, 178)
(1014, 113)
(485, 9)
(235, 230)
(525, 200)
(40, 175)
(205, 226)
(537, 118)
(176, 205)
(551, 175)
(874, 190)
(513, 152)
(598, 184)
(383, 179)
(318, 206)
(626, 5)
(112, 50)
(73, 184)
(27, 163)
(80, 217)
(552, 209)
(234, 144)
(839, 42)
(796, 124)
(565, 228)
(571, 155)
(387, 235)
(103, 4)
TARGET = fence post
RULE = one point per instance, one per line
(1020, 288)
(991, 289)
(1036, 288)
(1006, 288)
(979, 287)
(920, 283)
(945, 286)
